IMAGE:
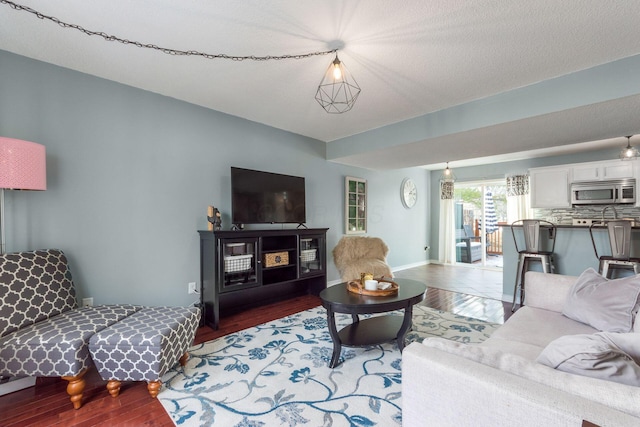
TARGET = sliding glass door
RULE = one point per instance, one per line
(480, 215)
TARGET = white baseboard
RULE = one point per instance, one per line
(408, 266)
(17, 384)
(394, 269)
(333, 282)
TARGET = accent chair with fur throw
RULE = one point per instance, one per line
(355, 255)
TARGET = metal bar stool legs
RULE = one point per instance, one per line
(523, 266)
(533, 252)
(619, 232)
(519, 280)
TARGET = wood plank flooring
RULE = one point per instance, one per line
(471, 292)
(47, 404)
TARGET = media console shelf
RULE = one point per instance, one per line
(242, 269)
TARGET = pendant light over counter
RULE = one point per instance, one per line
(629, 152)
(447, 175)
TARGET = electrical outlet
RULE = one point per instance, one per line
(191, 288)
(87, 302)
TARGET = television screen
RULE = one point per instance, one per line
(263, 197)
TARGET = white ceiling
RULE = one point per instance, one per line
(412, 58)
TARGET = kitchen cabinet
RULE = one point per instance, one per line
(599, 171)
(550, 187)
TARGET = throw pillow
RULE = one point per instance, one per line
(606, 356)
(606, 305)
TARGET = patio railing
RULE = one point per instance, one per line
(494, 240)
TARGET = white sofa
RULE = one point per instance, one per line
(499, 382)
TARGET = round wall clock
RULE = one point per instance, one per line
(408, 193)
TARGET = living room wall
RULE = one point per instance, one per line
(130, 175)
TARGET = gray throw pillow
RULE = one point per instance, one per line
(606, 305)
(606, 356)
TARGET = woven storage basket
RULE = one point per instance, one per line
(276, 258)
(308, 255)
(235, 263)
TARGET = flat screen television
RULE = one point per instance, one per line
(266, 198)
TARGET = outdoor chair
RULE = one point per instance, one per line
(468, 246)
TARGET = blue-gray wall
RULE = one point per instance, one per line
(130, 175)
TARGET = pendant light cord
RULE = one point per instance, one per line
(168, 51)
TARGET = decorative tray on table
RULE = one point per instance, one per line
(386, 287)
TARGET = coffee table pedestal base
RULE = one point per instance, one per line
(371, 331)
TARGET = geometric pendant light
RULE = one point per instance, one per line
(338, 90)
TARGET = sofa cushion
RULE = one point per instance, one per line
(622, 397)
(597, 355)
(607, 305)
(546, 290)
(58, 346)
(33, 286)
(538, 327)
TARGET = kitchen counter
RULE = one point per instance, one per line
(587, 227)
(573, 252)
(636, 225)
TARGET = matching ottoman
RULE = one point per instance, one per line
(143, 346)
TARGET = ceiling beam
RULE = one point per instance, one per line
(601, 84)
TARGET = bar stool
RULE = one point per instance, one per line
(532, 252)
(620, 242)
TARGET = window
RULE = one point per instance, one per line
(355, 205)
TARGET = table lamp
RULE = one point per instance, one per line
(22, 167)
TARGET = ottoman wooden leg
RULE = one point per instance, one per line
(184, 358)
(154, 388)
(75, 388)
(114, 388)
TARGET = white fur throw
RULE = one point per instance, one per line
(355, 255)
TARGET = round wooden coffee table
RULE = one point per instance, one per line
(374, 330)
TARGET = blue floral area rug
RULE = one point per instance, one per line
(277, 374)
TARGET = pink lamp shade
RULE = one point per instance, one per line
(23, 165)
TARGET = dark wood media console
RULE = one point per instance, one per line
(243, 269)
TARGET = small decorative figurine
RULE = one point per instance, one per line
(215, 219)
(217, 224)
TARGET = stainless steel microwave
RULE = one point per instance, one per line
(603, 192)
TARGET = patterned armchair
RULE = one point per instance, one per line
(42, 332)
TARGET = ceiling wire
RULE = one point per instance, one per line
(168, 51)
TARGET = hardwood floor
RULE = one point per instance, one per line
(47, 404)
(465, 279)
(471, 292)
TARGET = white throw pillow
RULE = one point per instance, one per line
(606, 305)
(607, 356)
